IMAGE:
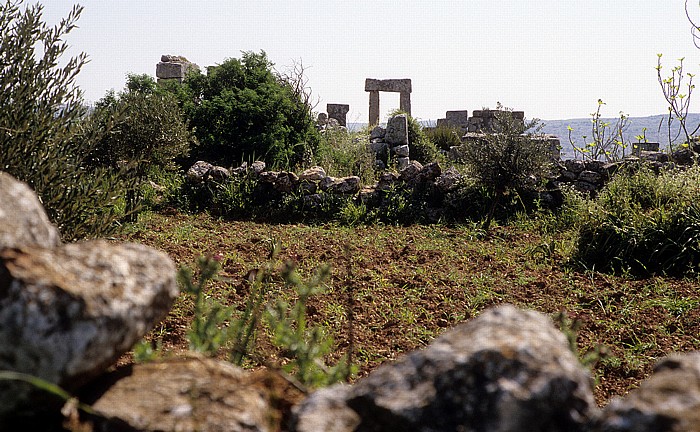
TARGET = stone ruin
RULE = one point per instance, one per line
(338, 112)
(173, 68)
(374, 86)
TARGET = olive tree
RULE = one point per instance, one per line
(43, 141)
(506, 158)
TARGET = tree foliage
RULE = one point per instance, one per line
(42, 139)
(148, 127)
(242, 110)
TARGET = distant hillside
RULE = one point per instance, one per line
(635, 127)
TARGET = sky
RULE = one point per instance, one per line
(552, 59)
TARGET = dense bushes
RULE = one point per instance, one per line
(241, 110)
(644, 223)
(43, 140)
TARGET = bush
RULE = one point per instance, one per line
(242, 110)
(43, 141)
(445, 137)
(147, 132)
(643, 223)
(508, 159)
(344, 154)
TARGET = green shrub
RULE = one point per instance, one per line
(445, 137)
(644, 224)
(507, 159)
(243, 110)
(344, 154)
(43, 140)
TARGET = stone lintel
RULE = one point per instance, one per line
(388, 85)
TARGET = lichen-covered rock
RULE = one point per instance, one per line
(314, 173)
(23, 221)
(198, 171)
(668, 401)
(411, 171)
(448, 180)
(387, 180)
(69, 312)
(189, 394)
(396, 133)
(507, 370)
(342, 185)
(258, 167)
(401, 151)
(377, 132)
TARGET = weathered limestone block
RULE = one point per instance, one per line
(269, 176)
(171, 70)
(189, 394)
(69, 312)
(403, 162)
(388, 85)
(457, 119)
(430, 172)
(397, 130)
(668, 401)
(258, 167)
(378, 147)
(286, 182)
(377, 132)
(338, 112)
(411, 171)
(387, 180)
(23, 221)
(314, 173)
(373, 107)
(401, 151)
(507, 370)
(197, 173)
(575, 166)
(343, 185)
(448, 180)
(591, 177)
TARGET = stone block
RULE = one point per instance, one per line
(397, 130)
(171, 70)
(388, 85)
(338, 112)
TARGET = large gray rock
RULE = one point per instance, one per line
(507, 370)
(23, 221)
(342, 185)
(448, 180)
(189, 394)
(668, 401)
(315, 173)
(397, 130)
(69, 312)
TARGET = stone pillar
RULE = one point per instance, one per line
(405, 102)
(373, 107)
(338, 112)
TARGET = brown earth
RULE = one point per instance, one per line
(407, 285)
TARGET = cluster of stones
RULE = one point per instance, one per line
(69, 311)
(335, 117)
(173, 68)
(481, 122)
(591, 175)
(391, 142)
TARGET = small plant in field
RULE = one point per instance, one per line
(678, 102)
(606, 142)
(305, 345)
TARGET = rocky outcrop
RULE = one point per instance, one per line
(669, 401)
(187, 394)
(23, 221)
(507, 370)
(67, 312)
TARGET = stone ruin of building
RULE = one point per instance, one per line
(374, 86)
(173, 68)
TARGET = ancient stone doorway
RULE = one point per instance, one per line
(374, 86)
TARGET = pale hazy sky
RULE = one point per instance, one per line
(551, 58)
